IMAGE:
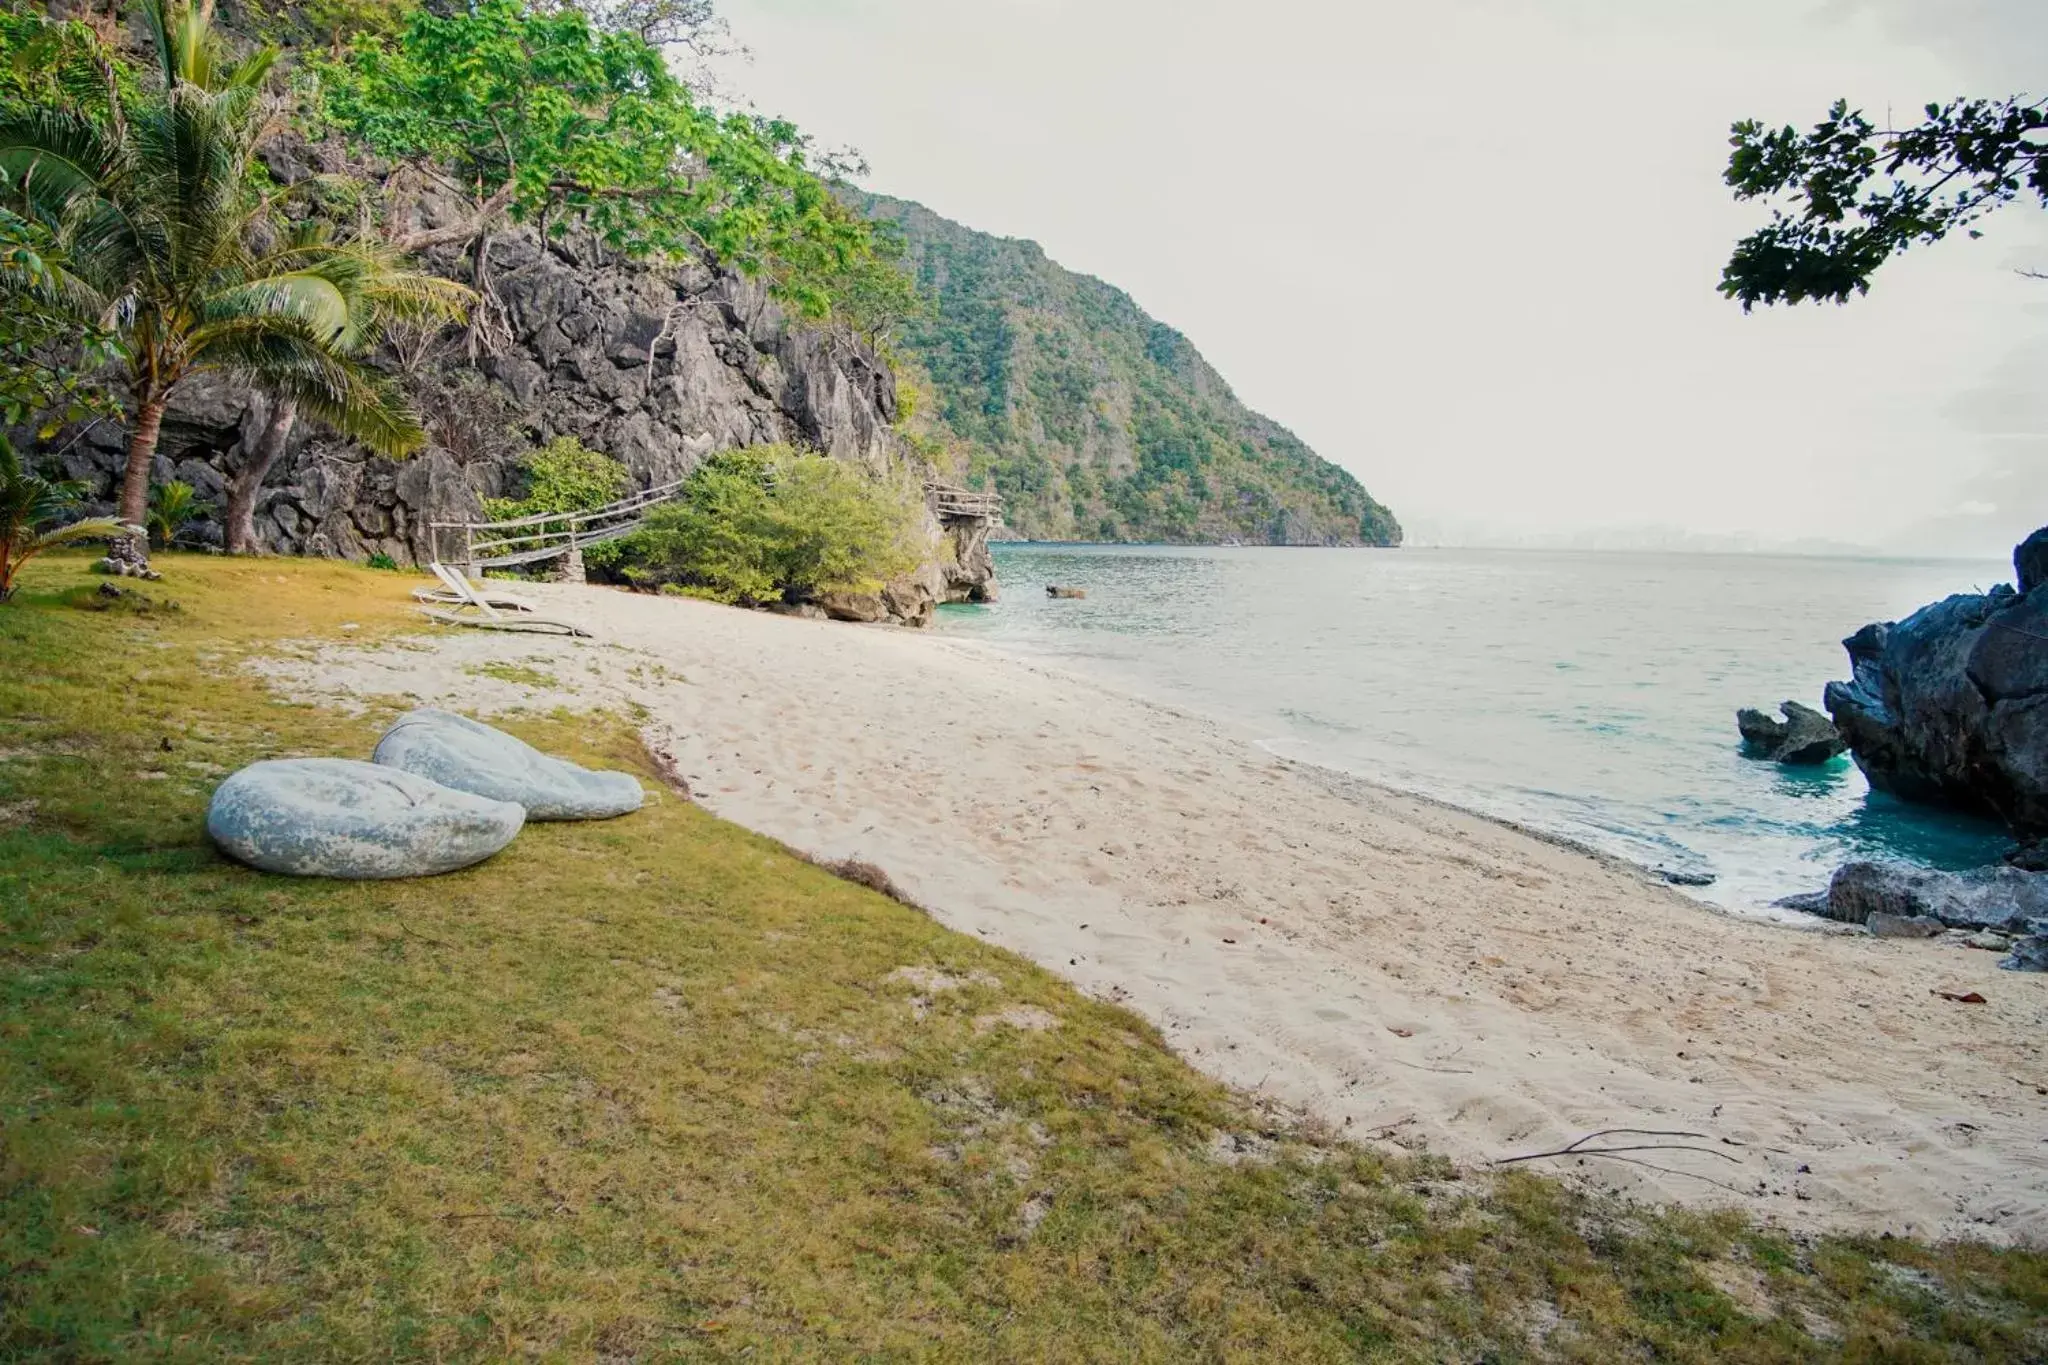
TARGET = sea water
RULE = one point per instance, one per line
(1588, 695)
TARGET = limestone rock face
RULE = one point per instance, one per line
(334, 817)
(2005, 899)
(472, 757)
(656, 367)
(1950, 705)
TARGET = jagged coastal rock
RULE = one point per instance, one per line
(1950, 705)
(2002, 899)
(657, 368)
(1805, 737)
(335, 817)
(472, 757)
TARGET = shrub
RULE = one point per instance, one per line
(563, 476)
(566, 476)
(380, 560)
(771, 523)
(171, 505)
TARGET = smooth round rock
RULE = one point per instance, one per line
(336, 817)
(470, 756)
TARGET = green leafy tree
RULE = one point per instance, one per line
(770, 523)
(1849, 195)
(29, 505)
(557, 121)
(168, 231)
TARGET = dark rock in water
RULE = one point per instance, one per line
(2000, 898)
(1054, 591)
(2030, 560)
(1680, 877)
(2029, 857)
(1804, 737)
(1950, 705)
(1882, 925)
(1807, 902)
(1760, 731)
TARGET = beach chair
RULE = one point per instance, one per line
(457, 590)
(475, 607)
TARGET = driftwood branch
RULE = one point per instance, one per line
(1579, 1147)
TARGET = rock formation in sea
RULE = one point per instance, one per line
(1805, 737)
(656, 367)
(1950, 705)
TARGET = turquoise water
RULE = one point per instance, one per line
(1589, 695)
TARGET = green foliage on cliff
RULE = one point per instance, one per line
(1095, 421)
(770, 523)
(557, 121)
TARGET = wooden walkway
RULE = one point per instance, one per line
(551, 535)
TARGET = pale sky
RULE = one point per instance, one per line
(1468, 248)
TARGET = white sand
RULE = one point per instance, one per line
(1408, 973)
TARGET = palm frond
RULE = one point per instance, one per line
(288, 357)
(92, 528)
(306, 295)
(51, 157)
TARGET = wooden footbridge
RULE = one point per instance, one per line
(518, 541)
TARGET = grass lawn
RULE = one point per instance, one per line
(658, 1089)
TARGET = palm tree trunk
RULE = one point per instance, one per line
(149, 423)
(247, 481)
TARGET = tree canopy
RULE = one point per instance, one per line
(555, 121)
(1849, 195)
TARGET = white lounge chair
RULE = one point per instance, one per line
(457, 590)
(471, 606)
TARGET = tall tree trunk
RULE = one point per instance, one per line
(149, 423)
(247, 481)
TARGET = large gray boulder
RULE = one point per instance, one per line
(335, 817)
(1950, 705)
(2002, 898)
(470, 756)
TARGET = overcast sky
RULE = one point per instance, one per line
(1468, 248)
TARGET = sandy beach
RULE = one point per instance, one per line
(1406, 973)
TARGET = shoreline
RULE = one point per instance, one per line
(1408, 972)
(1337, 777)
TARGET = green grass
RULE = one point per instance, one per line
(656, 1089)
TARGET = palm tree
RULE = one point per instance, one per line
(379, 291)
(168, 237)
(27, 504)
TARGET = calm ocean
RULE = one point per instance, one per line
(1588, 695)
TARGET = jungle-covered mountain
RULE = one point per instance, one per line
(1094, 420)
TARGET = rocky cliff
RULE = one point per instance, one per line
(1950, 705)
(655, 367)
(1094, 420)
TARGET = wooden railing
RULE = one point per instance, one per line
(946, 500)
(547, 535)
(551, 535)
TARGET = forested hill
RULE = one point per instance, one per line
(1095, 421)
